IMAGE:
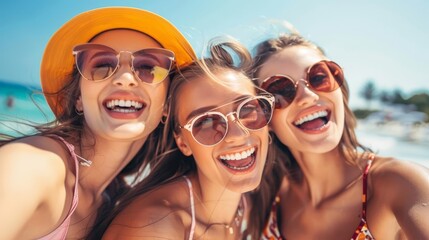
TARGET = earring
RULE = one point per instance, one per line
(80, 113)
(163, 119)
(270, 139)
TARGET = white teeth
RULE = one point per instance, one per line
(242, 168)
(113, 104)
(238, 156)
(311, 117)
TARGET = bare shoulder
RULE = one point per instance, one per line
(403, 188)
(33, 145)
(36, 155)
(28, 163)
(385, 168)
(32, 172)
(161, 213)
(399, 179)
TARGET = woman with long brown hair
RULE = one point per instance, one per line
(217, 129)
(334, 188)
(105, 74)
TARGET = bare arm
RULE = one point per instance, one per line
(162, 213)
(28, 176)
(408, 196)
(145, 222)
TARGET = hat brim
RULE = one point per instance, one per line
(57, 62)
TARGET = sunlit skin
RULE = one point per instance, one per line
(294, 62)
(123, 85)
(238, 138)
(119, 137)
(116, 137)
(111, 144)
(165, 212)
(327, 203)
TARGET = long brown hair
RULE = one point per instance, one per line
(70, 126)
(224, 54)
(287, 165)
(264, 50)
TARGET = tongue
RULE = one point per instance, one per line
(238, 163)
(313, 124)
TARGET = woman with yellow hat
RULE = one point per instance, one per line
(105, 75)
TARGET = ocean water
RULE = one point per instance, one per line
(398, 140)
(20, 105)
(405, 142)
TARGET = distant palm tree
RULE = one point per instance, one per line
(368, 92)
(398, 98)
(385, 97)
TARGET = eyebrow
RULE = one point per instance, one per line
(98, 54)
(202, 110)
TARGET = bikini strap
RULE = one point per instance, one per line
(61, 231)
(191, 197)
(365, 185)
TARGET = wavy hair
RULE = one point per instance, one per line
(69, 125)
(224, 54)
(348, 145)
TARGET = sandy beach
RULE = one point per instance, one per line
(405, 142)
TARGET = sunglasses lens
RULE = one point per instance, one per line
(209, 129)
(152, 65)
(96, 63)
(255, 113)
(282, 88)
(325, 76)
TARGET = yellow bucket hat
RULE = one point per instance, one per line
(57, 62)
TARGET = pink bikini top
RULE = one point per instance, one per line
(60, 232)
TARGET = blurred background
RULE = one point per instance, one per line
(382, 46)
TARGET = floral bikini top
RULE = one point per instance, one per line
(272, 231)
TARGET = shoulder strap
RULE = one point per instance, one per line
(191, 197)
(365, 185)
(61, 231)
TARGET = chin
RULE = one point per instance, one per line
(245, 185)
(129, 131)
(325, 147)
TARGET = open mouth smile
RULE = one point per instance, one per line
(239, 161)
(314, 121)
(124, 106)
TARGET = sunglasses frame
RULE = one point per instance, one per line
(82, 47)
(189, 125)
(308, 84)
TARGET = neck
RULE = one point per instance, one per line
(108, 159)
(325, 175)
(218, 205)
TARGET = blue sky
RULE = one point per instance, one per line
(382, 40)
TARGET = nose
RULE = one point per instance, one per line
(124, 75)
(125, 78)
(305, 95)
(236, 129)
